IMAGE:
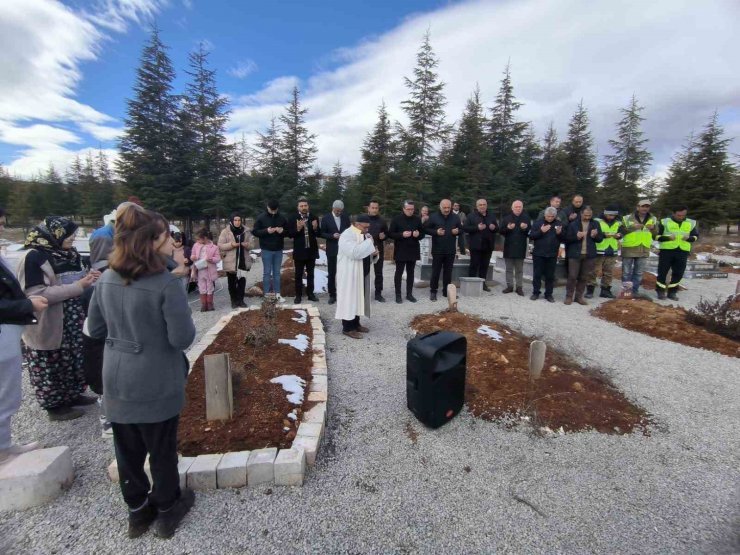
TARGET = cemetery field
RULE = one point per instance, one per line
(383, 483)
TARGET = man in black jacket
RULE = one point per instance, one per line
(581, 238)
(379, 231)
(303, 227)
(406, 231)
(515, 228)
(332, 226)
(481, 227)
(271, 228)
(444, 227)
(546, 234)
(573, 212)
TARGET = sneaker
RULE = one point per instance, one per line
(411, 298)
(168, 521)
(280, 299)
(140, 520)
(379, 298)
(60, 414)
(107, 432)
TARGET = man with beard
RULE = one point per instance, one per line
(515, 229)
(332, 226)
(406, 231)
(444, 227)
(555, 202)
(303, 227)
(573, 212)
(481, 228)
(379, 231)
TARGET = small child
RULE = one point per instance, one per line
(206, 275)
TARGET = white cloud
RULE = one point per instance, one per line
(242, 69)
(117, 14)
(671, 54)
(33, 161)
(36, 136)
(102, 132)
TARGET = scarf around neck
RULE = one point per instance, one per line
(48, 236)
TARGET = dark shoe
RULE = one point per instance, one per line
(411, 298)
(606, 293)
(590, 291)
(362, 329)
(399, 300)
(234, 304)
(509, 289)
(313, 298)
(433, 296)
(568, 300)
(332, 300)
(661, 294)
(83, 400)
(240, 303)
(534, 296)
(379, 298)
(520, 291)
(485, 287)
(580, 301)
(61, 414)
(168, 521)
(140, 521)
(297, 300)
(672, 295)
(353, 334)
(549, 299)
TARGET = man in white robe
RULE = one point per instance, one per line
(355, 244)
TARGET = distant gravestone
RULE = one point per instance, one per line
(219, 393)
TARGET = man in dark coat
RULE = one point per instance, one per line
(515, 228)
(573, 212)
(379, 231)
(581, 238)
(546, 233)
(444, 227)
(555, 201)
(406, 230)
(481, 227)
(332, 226)
(303, 227)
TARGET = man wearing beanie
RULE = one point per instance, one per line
(606, 252)
(332, 226)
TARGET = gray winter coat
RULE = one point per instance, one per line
(146, 326)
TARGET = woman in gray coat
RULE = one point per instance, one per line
(142, 312)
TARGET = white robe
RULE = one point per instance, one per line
(353, 247)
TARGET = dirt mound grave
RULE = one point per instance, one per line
(565, 396)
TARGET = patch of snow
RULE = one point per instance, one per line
(320, 281)
(490, 332)
(293, 385)
(302, 317)
(300, 342)
(292, 415)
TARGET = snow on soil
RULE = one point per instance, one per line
(490, 332)
(302, 317)
(300, 342)
(293, 385)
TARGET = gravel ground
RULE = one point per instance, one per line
(386, 484)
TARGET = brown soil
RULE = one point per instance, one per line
(664, 322)
(287, 284)
(567, 395)
(260, 407)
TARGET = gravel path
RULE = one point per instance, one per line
(386, 484)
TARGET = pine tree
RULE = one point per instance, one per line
(468, 161)
(72, 178)
(269, 162)
(628, 166)
(332, 189)
(297, 150)
(376, 177)
(148, 145)
(19, 203)
(556, 174)
(425, 106)
(505, 137)
(88, 188)
(578, 147)
(530, 162)
(55, 192)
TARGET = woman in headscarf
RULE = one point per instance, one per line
(52, 268)
(234, 243)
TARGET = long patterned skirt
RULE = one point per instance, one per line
(57, 376)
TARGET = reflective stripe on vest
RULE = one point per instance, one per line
(612, 242)
(681, 231)
(640, 236)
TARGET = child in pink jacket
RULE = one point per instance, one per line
(205, 249)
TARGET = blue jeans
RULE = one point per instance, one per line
(271, 263)
(632, 269)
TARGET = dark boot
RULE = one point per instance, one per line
(312, 297)
(580, 300)
(140, 520)
(590, 291)
(534, 297)
(660, 293)
(485, 287)
(399, 300)
(379, 297)
(673, 293)
(509, 289)
(234, 304)
(209, 299)
(297, 300)
(240, 300)
(60, 414)
(332, 299)
(520, 291)
(606, 293)
(168, 521)
(433, 296)
(204, 303)
(410, 298)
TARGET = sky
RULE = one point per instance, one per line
(67, 67)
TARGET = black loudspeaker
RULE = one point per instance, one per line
(435, 376)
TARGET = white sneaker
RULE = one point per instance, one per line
(280, 299)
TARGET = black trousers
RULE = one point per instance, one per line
(674, 260)
(441, 263)
(379, 274)
(132, 442)
(351, 325)
(461, 244)
(331, 263)
(308, 266)
(479, 261)
(236, 286)
(543, 267)
(409, 266)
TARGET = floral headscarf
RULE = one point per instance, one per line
(48, 237)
